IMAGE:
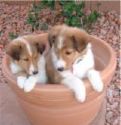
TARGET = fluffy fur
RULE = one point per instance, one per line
(71, 59)
(27, 60)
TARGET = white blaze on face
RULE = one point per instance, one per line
(31, 69)
(54, 57)
(58, 63)
(60, 42)
(61, 38)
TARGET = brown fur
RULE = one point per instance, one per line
(75, 42)
(54, 32)
(18, 52)
(52, 73)
(74, 46)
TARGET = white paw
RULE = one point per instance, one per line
(30, 83)
(42, 79)
(99, 86)
(80, 92)
(81, 97)
(77, 86)
(20, 81)
(95, 79)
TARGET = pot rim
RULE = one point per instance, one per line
(59, 87)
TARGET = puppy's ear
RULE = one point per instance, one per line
(14, 50)
(79, 42)
(40, 47)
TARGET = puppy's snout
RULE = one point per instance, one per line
(60, 65)
(35, 72)
(60, 69)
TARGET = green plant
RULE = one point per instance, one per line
(93, 16)
(12, 35)
(72, 12)
(33, 20)
(33, 16)
(90, 19)
(75, 15)
(48, 3)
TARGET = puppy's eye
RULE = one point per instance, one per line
(68, 52)
(26, 59)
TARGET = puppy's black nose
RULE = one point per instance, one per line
(35, 72)
(60, 69)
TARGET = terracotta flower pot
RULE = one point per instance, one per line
(56, 104)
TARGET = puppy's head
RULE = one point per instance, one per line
(67, 45)
(26, 54)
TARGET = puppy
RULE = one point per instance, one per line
(71, 59)
(27, 60)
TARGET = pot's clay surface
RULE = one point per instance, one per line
(56, 104)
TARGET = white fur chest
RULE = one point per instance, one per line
(80, 69)
(15, 68)
(41, 77)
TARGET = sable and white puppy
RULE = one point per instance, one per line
(27, 60)
(71, 59)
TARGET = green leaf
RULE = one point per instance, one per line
(75, 21)
(93, 16)
(69, 9)
(49, 3)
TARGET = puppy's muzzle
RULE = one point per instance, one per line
(60, 69)
(35, 72)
